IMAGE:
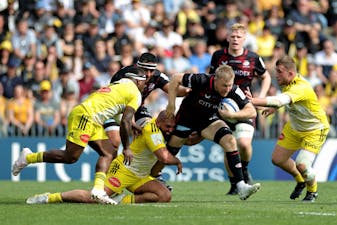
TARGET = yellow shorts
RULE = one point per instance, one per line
(81, 129)
(308, 140)
(119, 177)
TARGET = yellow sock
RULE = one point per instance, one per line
(312, 188)
(99, 180)
(299, 178)
(34, 157)
(128, 199)
(55, 198)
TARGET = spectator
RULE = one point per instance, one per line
(5, 53)
(118, 39)
(68, 44)
(167, 38)
(63, 83)
(306, 22)
(27, 71)
(46, 112)
(78, 60)
(127, 55)
(107, 19)
(146, 40)
(265, 44)
(87, 82)
(3, 116)
(178, 63)
(23, 40)
(100, 58)
(136, 17)
(20, 113)
(67, 103)
(185, 14)
(200, 58)
(327, 57)
(48, 38)
(10, 79)
(90, 37)
(33, 85)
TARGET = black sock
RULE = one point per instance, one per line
(232, 181)
(235, 166)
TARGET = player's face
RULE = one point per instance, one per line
(148, 72)
(167, 127)
(141, 84)
(236, 39)
(282, 75)
(223, 86)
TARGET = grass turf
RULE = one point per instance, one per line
(192, 203)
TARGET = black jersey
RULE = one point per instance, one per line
(246, 66)
(158, 80)
(203, 99)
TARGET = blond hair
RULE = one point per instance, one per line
(288, 62)
(224, 72)
(239, 27)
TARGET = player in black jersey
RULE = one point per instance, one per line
(246, 65)
(207, 92)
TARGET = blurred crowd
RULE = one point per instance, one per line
(54, 53)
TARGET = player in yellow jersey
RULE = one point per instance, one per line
(147, 148)
(306, 130)
(85, 127)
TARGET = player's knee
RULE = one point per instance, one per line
(222, 132)
(165, 196)
(304, 162)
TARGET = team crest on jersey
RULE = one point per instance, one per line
(246, 63)
(104, 89)
(114, 182)
(85, 138)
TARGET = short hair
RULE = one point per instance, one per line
(224, 72)
(288, 62)
(238, 26)
(148, 57)
(148, 61)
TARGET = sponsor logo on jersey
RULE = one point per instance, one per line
(104, 89)
(114, 182)
(281, 137)
(85, 138)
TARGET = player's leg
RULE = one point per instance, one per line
(220, 133)
(152, 191)
(306, 157)
(70, 155)
(281, 157)
(106, 153)
(244, 133)
(73, 196)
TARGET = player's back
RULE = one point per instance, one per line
(110, 101)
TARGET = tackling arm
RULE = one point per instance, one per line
(272, 101)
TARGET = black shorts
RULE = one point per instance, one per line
(188, 122)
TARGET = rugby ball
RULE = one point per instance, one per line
(230, 105)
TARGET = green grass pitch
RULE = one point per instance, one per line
(192, 203)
